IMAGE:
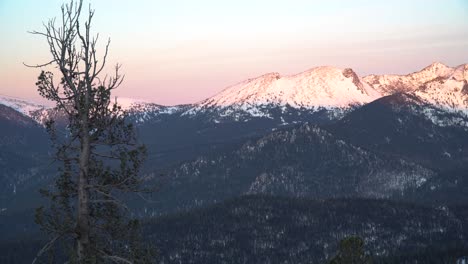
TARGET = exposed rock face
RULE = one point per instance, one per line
(349, 73)
(465, 88)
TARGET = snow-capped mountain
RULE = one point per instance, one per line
(143, 111)
(333, 92)
(439, 91)
(139, 110)
(36, 111)
(391, 83)
(316, 89)
(448, 91)
(21, 105)
(27, 107)
(438, 84)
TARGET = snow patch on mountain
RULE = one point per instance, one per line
(128, 103)
(21, 105)
(141, 111)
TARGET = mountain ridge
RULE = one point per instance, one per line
(327, 91)
(310, 88)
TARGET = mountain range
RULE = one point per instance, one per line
(325, 133)
(319, 89)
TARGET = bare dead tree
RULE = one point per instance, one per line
(99, 152)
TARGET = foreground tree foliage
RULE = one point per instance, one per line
(351, 251)
(99, 155)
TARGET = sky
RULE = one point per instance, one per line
(183, 51)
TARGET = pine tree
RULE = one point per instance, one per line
(351, 251)
(98, 151)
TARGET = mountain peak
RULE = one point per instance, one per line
(262, 79)
(324, 86)
(436, 69)
(320, 70)
(436, 65)
(270, 75)
(460, 73)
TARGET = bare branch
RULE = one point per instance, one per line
(47, 35)
(39, 65)
(105, 155)
(46, 248)
(146, 199)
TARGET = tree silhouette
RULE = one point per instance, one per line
(98, 151)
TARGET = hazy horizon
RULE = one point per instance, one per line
(182, 52)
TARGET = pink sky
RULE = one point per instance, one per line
(183, 52)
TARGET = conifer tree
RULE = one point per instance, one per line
(99, 155)
(351, 251)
